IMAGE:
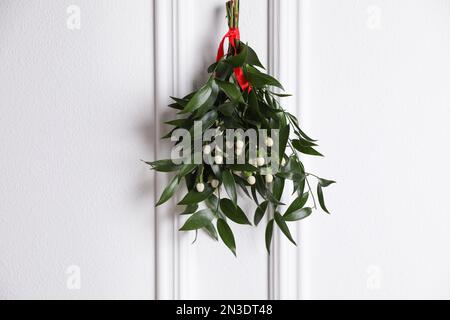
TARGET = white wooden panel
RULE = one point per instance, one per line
(189, 33)
(284, 64)
(377, 96)
(370, 79)
(76, 112)
(218, 272)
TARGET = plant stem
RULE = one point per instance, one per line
(306, 177)
(236, 13)
(313, 175)
(311, 192)
(233, 13)
(229, 7)
(232, 7)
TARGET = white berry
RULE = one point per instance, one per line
(239, 144)
(215, 183)
(207, 149)
(260, 161)
(251, 180)
(269, 178)
(269, 142)
(200, 187)
(218, 159)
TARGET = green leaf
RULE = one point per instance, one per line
(214, 205)
(283, 139)
(239, 59)
(168, 191)
(175, 106)
(189, 96)
(283, 121)
(242, 167)
(295, 168)
(294, 120)
(181, 102)
(194, 197)
(199, 98)
(212, 202)
(190, 209)
(303, 143)
(278, 188)
(261, 186)
(304, 135)
(260, 212)
(297, 204)
(252, 58)
(186, 169)
(265, 193)
(269, 233)
(299, 187)
(307, 150)
(325, 183)
(283, 226)
(181, 123)
(227, 109)
(190, 181)
(211, 230)
(207, 121)
(321, 199)
(212, 67)
(231, 90)
(298, 215)
(269, 99)
(233, 212)
(231, 122)
(168, 135)
(295, 177)
(163, 166)
(261, 80)
(254, 195)
(198, 220)
(217, 171)
(209, 104)
(223, 70)
(230, 185)
(281, 95)
(254, 111)
(270, 113)
(226, 235)
(243, 184)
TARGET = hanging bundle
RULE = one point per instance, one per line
(238, 97)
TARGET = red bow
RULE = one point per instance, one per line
(233, 35)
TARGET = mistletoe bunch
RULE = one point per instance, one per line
(239, 95)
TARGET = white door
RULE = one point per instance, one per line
(83, 92)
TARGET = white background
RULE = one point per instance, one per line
(75, 109)
(78, 109)
(378, 97)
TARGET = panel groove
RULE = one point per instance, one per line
(284, 270)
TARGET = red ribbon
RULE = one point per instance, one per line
(233, 35)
